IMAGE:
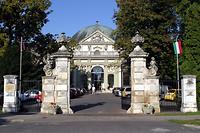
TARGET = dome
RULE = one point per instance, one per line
(85, 32)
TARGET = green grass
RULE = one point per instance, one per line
(192, 122)
(179, 113)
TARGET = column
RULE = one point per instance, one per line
(10, 94)
(120, 77)
(188, 92)
(106, 77)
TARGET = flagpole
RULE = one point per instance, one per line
(177, 64)
(177, 59)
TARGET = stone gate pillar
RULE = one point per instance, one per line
(62, 81)
(188, 92)
(138, 70)
(10, 94)
(144, 84)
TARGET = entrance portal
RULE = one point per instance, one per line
(97, 77)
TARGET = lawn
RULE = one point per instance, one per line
(179, 113)
(192, 122)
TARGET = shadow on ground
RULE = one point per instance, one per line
(3, 121)
(86, 106)
(4, 117)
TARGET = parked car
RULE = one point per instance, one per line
(73, 93)
(171, 95)
(32, 94)
(116, 91)
(126, 91)
(38, 97)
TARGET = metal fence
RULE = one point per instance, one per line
(171, 103)
(30, 105)
(31, 84)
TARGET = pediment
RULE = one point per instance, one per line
(97, 38)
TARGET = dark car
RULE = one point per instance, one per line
(116, 91)
(73, 93)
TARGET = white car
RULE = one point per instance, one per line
(30, 94)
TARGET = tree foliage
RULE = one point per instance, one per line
(3, 44)
(152, 19)
(34, 54)
(190, 13)
(23, 18)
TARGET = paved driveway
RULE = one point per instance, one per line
(97, 104)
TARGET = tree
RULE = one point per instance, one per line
(9, 61)
(152, 19)
(189, 11)
(3, 44)
(8, 57)
(34, 53)
(23, 18)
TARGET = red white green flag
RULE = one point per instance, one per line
(177, 47)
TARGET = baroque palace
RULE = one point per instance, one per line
(98, 63)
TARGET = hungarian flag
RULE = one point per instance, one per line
(177, 47)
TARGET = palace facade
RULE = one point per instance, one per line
(98, 63)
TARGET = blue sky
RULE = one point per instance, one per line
(70, 16)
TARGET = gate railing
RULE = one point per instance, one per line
(169, 102)
(31, 84)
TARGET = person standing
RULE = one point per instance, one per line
(93, 89)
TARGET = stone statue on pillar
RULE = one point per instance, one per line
(48, 67)
(152, 68)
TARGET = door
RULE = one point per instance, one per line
(97, 77)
